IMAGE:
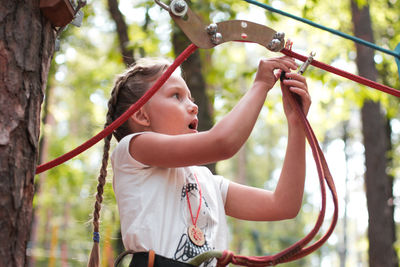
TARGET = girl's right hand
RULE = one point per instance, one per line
(266, 75)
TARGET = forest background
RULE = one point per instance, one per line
(79, 84)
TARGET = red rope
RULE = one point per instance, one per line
(293, 252)
(182, 57)
(344, 74)
(298, 249)
(118, 122)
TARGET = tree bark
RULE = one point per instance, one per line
(381, 231)
(26, 48)
(47, 120)
(122, 31)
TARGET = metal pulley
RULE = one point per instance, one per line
(208, 36)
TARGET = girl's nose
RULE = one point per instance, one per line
(193, 108)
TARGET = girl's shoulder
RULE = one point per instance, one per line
(126, 139)
(121, 152)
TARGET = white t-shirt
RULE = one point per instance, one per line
(154, 210)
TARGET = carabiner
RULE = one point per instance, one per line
(304, 66)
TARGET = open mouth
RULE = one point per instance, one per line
(193, 125)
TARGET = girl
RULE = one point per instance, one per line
(167, 203)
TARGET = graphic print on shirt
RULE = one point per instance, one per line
(186, 249)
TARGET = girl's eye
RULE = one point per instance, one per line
(176, 95)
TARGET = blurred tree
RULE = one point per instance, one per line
(122, 32)
(377, 142)
(26, 49)
(193, 75)
(127, 54)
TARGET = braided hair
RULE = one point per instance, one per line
(128, 88)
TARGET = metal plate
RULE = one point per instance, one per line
(233, 30)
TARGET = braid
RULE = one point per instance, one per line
(128, 88)
(94, 259)
(122, 80)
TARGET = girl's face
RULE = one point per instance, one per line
(171, 109)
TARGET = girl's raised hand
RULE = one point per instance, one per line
(296, 84)
(266, 75)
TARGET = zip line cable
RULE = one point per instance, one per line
(344, 35)
(395, 53)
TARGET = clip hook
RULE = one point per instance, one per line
(304, 66)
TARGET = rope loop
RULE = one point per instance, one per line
(225, 259)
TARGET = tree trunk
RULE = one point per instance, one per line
(122, 30)
(128, 58)
(376, 142)
(26, 48)
(193, 76)
(47, 120)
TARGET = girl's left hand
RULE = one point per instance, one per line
(296, 84)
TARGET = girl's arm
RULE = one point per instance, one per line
(250, 203)
(220, 142)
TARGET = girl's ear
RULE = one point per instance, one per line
(141, 117)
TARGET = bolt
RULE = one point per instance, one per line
(212, 29)
(216, 38)
(179, 5)
(179, 8)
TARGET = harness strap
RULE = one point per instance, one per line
(150, 259)
(152, 256)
